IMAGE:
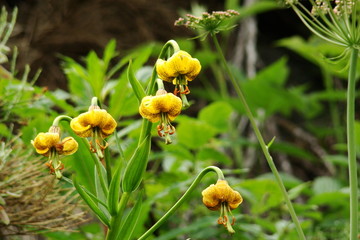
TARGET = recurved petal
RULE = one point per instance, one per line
(43, 142)
(235, 200)
(80, 126)
(210, 198)
(195, 70)
(175, 106)
(180, 62)
(69, 146)
(164, 72)
(107, 124)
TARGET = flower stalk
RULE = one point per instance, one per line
(186, 195)
(350, 119)
(264, 147)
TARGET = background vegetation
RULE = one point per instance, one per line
(294, 93)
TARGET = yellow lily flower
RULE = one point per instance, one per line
(178, 69)
(50, 145)
(222, 196)
(96, 119)
(163, 107)
(95, 123)
(44, 143)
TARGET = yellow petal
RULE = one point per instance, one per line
(195, 70)
(164, 72)
(210, 198)
(107, 125)
(69, 146)
(180, 63)
(43, 142)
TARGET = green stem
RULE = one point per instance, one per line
(350, 119)
(183, 199)
(115, 222)
(60, 118)
(264, 147)
(98, 168)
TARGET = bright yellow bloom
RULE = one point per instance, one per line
(179, 64)
(96, 119)
(163, 107)
(222, 196)
(45, 142)
(179, 69)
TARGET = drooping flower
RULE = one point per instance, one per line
(178, 69)
(163, 107)
(50, 145)
(95, 120)
(222, 196)
(95, 123)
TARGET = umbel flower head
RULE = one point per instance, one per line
(208, 23)
(222, 197)
(95, 123)
(179, 69)
(335, 21)
(50, 145)
(163, 107)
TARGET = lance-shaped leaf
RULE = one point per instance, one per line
(114, 192)
(128, 226)
(136, 167)
(91, 201)
(136, 85)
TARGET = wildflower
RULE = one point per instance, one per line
(208, 23)
(50, 145)
(179, 69)
(335, 21)
(163, 107)
(95, 123)
(222, 196)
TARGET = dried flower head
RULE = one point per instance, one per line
(33, 201)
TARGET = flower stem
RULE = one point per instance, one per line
(60, 118)
(182, 199)
(115, 222)
(264, 147)
(350, 119)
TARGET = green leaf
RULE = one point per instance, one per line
(91, 201)
(78, 85)
(217, 115)
(296, 191)
(194, 133)
(325, 184)
(262, 193)
(128, 226)
(334, 199)
(101, 194)
(136, 86)
(136, 166)
(109, 52)
(114, 192)
(81, 162)
(214, 155)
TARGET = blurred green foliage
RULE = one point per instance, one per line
(208, 135)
